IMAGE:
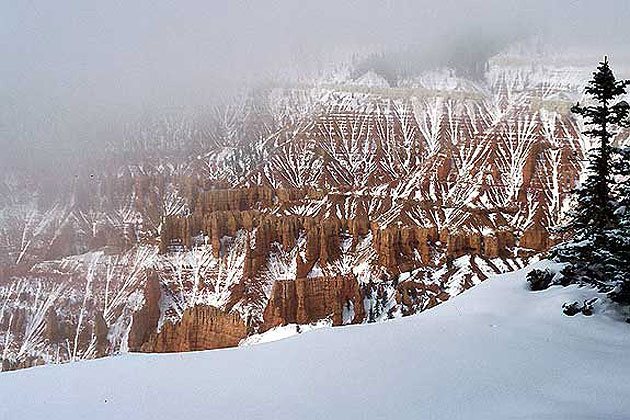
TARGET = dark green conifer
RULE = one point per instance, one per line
(593, 252)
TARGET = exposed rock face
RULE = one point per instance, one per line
(536, 237)
(396, 246)
(415, 296)
(200, 328)
(303, 301)
(496, 245)
(100, 333)
(53, 331)
(145, 321)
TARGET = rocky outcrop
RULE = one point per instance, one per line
(415, 296)
(498, 244)
(53, 331)
(145, 321)
(200, 328)
(100, 333)
(307, 300)
(536, 238)
(396, 246)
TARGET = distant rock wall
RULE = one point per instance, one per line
(396, 244)
(304, 301)
(200, 328)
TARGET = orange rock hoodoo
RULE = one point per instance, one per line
(307, 300)
(396, 245)
(200, 328)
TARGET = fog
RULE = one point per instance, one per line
(72, 73)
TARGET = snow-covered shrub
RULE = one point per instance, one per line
(571, 309)
(586, 308)
(539, 279)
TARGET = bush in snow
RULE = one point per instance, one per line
(575, 308)
(587, 308)
(539, 279)
(571, 309)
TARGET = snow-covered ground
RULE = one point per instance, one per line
(497, 351)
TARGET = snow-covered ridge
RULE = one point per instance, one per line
(497, 351)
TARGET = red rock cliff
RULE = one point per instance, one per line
(201, 328)
(308, 300)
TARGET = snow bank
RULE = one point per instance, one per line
(280, 333)
(496, 352)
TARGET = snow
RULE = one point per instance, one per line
(282, 332)
(497, 351)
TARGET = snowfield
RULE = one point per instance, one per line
(497, 351)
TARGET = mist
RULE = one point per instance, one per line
(73, 73)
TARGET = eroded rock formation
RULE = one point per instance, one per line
(145, 321)
(200, 328)
(307, 300)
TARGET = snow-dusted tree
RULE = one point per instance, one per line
(593, 251)
(622, 242)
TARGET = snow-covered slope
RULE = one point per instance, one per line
(496, 351)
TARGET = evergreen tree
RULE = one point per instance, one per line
(622, 239)
(593, 252)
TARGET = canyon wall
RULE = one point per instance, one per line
(345, 203)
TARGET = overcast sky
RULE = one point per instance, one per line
(70, 68)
